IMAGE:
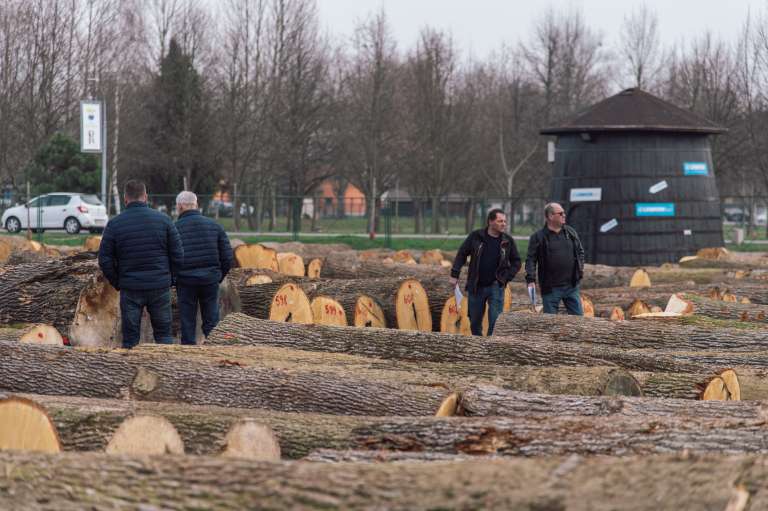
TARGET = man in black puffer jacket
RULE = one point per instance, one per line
(207, 260)
(494, 263)
(140, 254)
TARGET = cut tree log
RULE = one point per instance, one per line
(256, 256)
(343, 268)
(686, 303)
(88, 424)
(290, 264)
(555, 436)
(433, 257)
(96, 481)
(492, 401)
(640, 279)
(434, 347)
(92, 243)
(718, 386)
(314, 268)
(361, 310)
(164, 374)
(35, 334)
(327, 311)
(632, 334)
(25, 426)
(276, 301)
(147, 435)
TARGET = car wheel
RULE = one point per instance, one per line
(12, 225)
(72, 225)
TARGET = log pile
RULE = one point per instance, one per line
(364, 358)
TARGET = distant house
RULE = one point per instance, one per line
(352, 200)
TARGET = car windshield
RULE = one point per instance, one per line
(91, 199)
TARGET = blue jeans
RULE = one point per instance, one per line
(494, 296)
(158, 304)
(189, 296)
(569, 296)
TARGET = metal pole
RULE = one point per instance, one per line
(104, 153)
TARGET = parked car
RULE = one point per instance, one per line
(69, 211)
(735, 214)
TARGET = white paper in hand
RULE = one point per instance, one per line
(532, 294)
(458, 295)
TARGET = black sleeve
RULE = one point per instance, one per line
(461, 257)
(531, 260)
(514, 260)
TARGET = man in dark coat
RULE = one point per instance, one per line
(555, 253)
(140, 254)
(207, 260)
(494, 262)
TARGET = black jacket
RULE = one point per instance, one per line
(537, 258)
(140, 249)
(509, 260)
(207, 252)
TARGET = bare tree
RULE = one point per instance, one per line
(640, 47)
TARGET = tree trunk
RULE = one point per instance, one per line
(435, 347)
(87, 424)
(165, 375)
(469, 218)
(348, 268)
(419, 215)
(492, 401)
(557, 436)
(658, 334)
(754, 313)
(435, 214)
(96, 481)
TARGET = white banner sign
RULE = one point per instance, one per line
(661, 185)
(90, 127)
(551, 152)
(687, 232)
(586, 194)
(607, 226)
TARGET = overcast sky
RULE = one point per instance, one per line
(480, 26)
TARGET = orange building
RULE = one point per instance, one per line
(353, 200)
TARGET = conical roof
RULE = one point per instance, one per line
(635, 110)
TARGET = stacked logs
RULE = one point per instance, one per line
(663, 399)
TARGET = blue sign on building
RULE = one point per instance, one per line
(699, 168)
(654, 209)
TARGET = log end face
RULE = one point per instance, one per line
(252, 440)
(640, 279)
(327, 311)
(621, 383)
(368, 313)
(146, 435)
(97, 315)
(25, 426)
(412, 307)
(449, 406)
(291, 305)
(144, 382)
(41, 334)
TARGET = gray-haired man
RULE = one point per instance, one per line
(207, 260)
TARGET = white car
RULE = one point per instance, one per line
(68, 211)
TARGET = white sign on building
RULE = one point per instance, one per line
(90, 127)
(586, 194)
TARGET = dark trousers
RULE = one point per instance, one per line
(189, 297)
(493, 295)
(568, 295)
(158, 304)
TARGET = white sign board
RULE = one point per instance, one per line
(586, 194)
(661, 185)
(607, 226)
(551, 152)
(687, 232)
(90, 127)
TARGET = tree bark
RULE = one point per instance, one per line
(435, 347)
(703, 306)
(557, 436)
(491, 401)
(162, 375)
(96, 481)
(659, 334)
(87, 424)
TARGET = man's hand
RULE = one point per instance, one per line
(531, 284)
(454, 281)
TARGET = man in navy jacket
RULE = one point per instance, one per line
(140, 254)
(207, 260)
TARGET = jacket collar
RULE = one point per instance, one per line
(190, 212)
(137, 204)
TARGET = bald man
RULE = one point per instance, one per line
(556, 256)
